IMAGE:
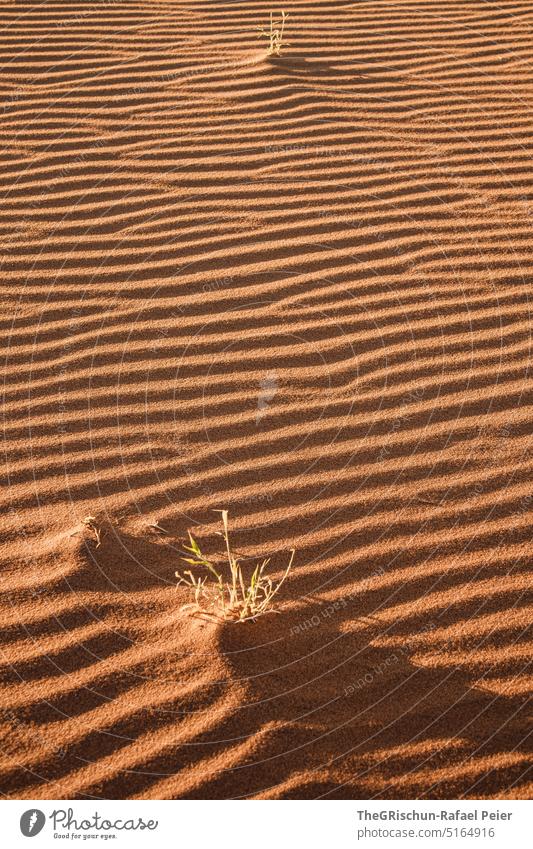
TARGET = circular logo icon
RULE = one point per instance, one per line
(32, 822)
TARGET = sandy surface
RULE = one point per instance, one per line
(298, 288)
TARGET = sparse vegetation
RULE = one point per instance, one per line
(157, 527)
(91, 523)
(228, 599)
(274, 34)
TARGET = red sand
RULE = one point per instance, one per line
(297, 288)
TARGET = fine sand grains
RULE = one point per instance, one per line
(298, 288)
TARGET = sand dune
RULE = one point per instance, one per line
(298, 288)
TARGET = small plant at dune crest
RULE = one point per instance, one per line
(274, 34)
(232, 598)
(91, 523)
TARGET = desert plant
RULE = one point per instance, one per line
(274, 34)
(92, 523)
(228, 599)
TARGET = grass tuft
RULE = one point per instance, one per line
(233, 598)
(92, 523)
(274, 34)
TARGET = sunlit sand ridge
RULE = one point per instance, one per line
(296, 287)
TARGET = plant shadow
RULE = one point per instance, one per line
(349, 719)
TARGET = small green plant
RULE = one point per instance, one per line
(274, 34)
(229, 599)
